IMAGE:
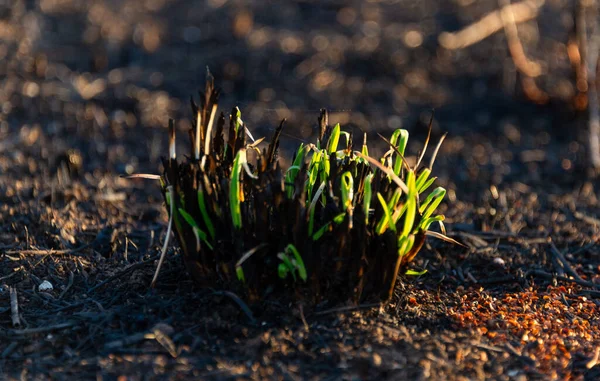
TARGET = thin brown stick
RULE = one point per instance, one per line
(14, 308)
(304, 322)
(123, 272)
(243, 306)
(589, 219)
(592, 363)
(49, 328)
(546, 275)
(566, 265)
(347, 309)
(71, 279)
(489, 24)
(49, 251)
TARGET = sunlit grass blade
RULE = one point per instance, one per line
(415, 273)
(411, 205)
(334, 139)
(422, 179)
(405, 244)
(427, 184)
(386, 220)
(426, 222)
(399, 141)
(313, 171)
(432, 201)
(235, 190)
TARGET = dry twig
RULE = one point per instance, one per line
(347, 309)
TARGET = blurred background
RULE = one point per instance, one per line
(103, 77)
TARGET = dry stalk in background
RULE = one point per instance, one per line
(525, 66)
(490, 24)
(529, 69)
(588, 40)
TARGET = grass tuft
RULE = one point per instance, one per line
(337, 225)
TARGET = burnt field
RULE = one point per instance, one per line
(86, 92)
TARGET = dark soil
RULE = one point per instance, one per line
(86, 90)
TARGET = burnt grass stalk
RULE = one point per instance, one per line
(336, 226)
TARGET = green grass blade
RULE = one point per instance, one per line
(337, 219)
(293, 170)
(205, 217)
(288, 264)
(282, 270)
(200, 235)
(426, 222)
(239, 271)
(426, 186)
(415, 273)
(422, 179)
(432, 201)
(405, 244)
(399, 139)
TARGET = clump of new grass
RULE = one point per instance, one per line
(336, 225)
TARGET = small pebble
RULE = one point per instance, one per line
(45, 286)
(376, 359)
(499, 261)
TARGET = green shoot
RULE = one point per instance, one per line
(200, 235)
(367, 195)
(291, 263)
(205, 217)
